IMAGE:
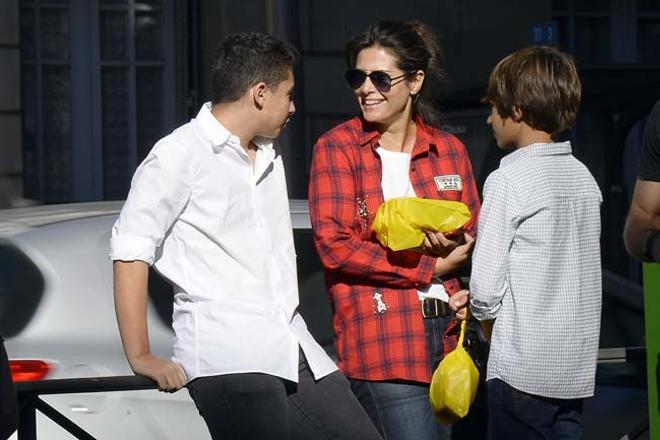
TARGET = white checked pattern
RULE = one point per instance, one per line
(536, 268)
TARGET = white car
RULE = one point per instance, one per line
(56, 306)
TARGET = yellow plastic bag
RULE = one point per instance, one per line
(400, 222)
(454, 384)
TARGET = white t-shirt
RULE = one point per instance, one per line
(395, 182)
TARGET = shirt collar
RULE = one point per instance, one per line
(424, 140)
(221, 137)
(535, 150)
(367, 134)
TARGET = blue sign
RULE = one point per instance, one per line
(545, 34)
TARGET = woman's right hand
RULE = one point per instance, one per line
(438, 244)
(456, 258)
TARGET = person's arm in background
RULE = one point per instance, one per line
(642, 232)
(641, 235)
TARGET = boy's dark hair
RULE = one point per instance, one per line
(542, 82)
(245, 59)
(416, 47)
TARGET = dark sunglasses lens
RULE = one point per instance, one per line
(355, 78)
(381, 81)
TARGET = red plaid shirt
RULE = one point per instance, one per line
(344, 195)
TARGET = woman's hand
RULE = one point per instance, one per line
(438, 244)
(456, 258)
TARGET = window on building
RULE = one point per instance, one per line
(648, 31)
(99, 88)
(605, 32)
(46, 84)
(584, 29)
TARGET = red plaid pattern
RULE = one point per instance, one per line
(344, 195)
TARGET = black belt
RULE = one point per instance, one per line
(434, 308)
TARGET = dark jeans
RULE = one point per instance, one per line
(518, 415)
(8, 405)
(400, 410)
(261, 406)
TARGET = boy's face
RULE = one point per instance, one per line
(505, 130)
(279, 107)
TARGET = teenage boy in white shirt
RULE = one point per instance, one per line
(208, 208)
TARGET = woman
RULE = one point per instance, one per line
(385, 303)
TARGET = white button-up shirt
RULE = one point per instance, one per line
(536, 268)
(220, 230)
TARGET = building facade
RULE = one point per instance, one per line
(87, 86)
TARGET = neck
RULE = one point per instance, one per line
(401, 134)
(531, 136)
(234, 118)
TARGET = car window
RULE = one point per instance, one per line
(21, 289)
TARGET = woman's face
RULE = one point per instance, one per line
(385, 108)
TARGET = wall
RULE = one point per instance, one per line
(475, 35)
(11, 168)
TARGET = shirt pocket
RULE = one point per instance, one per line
(449, 186)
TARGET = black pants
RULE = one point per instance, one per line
(261, 406)
(8, 405)
(519, 415)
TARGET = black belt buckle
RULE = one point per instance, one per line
(433, 308)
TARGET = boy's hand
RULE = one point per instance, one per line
(459, 302)
(169, 375)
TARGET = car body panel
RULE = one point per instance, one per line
(74, 325)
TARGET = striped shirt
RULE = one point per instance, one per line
(536, 268)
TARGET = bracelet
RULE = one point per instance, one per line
(648, 245)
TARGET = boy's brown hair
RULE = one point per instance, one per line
(540, 81)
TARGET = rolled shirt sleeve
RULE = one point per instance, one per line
(497, 221)
(159, 191)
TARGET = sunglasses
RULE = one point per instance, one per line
(381, 80)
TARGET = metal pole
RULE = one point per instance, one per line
(27, 418)
(62, 420)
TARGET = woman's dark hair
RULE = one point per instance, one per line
(416, 47)
(245, 59)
